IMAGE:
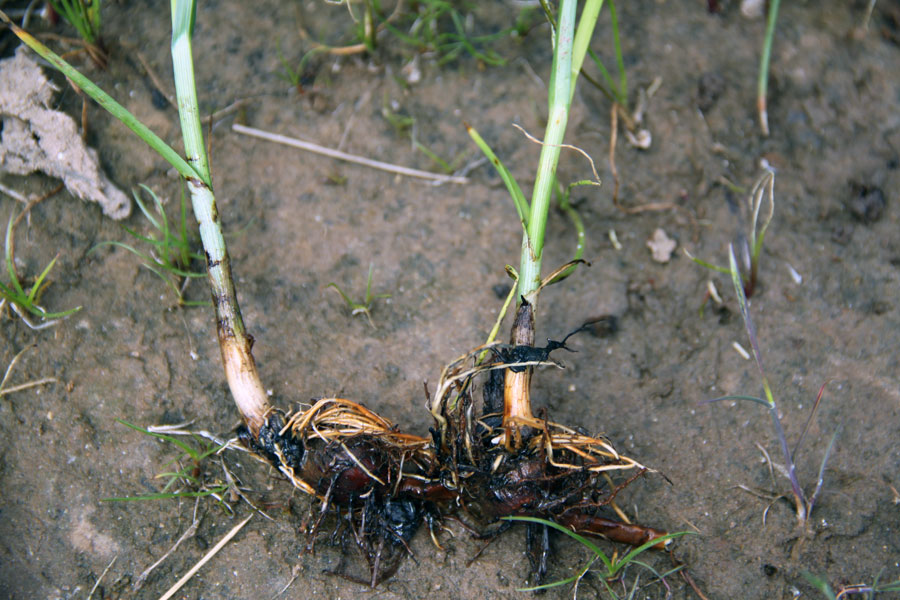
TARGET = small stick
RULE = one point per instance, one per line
(360, 160)
(187, 576)
(23, 386)
(13, 194)
(102, 575)
(189, 532)
(26, 212)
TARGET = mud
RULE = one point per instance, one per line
(824, 305)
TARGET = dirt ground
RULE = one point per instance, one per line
(296, 222)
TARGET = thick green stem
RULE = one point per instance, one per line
(559, 101)
(240, 369)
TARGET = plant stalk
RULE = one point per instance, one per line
(559, 100)
(569, 49)
(240, 368)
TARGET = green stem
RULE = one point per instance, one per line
(240, 368)
(559, 101)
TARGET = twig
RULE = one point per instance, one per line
(294, 575)
(26, 212)
(99, 579)
(224, 112)
(569, 146)
(13, 194)
(30, 384)
(215, 549)
(21, 386)
(360, 160)
(189, 533)
(157, 83)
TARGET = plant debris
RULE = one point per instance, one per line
(34, 137)
(661, 246)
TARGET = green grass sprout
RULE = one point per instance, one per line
(761, 204)
(188, 481)
(84, 16)
(22, 300)
(870, 590)
(438, 26)
(292, 75)
(803, 503)
(613, 567)
(364, 307)
(171, 256)
(762, 84)
(404, 125)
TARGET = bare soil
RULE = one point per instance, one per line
(296, 222)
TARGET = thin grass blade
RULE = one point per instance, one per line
(522, 207)
(809, 419)
(735, 397)
(185, 447)
(748, 322)
(821, 479)
(645, 546)
(577, 537)
(38, 283)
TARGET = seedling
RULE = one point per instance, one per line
(762, 194)
(170, 255)
(613, 567)
(24, 301)
(405, 125)
(803, 503)
(190, 479)
(870, 590)
(436, 26)
(84, 16)
(364, 307)
(292, 75)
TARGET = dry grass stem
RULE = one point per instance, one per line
(206, 558)
(22, 386)
(189, 533)
(102, 575)
(352, 158)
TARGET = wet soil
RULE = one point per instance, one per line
(296, 222)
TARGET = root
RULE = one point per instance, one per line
(384, 483)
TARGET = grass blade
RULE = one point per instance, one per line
(522, 207)
(185, 447)
(575, 536)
